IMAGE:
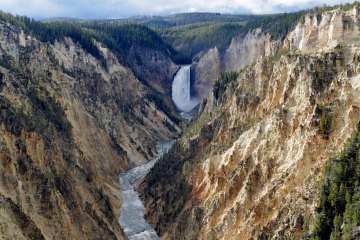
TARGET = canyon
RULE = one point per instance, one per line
(69, 126)
(99, 141)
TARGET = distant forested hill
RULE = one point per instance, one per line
(191, 33)
(192, 38)
(182, 36)
(118, 37)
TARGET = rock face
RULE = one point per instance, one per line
(68, 127)
(153, 67)
(327, 31)
(242, 51)
(248, 167)
(205, 71)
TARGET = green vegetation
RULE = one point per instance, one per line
(119, 38)
(191, 37)
(197, 124)
(159, 101)
(167, 174)
(12, 119)
(324, 70)
(194, 38)
(338, 212)
(279, 54)
(326, 123)
(7, 62)
(181, 19)
(192, 33)
(50, 110)
(167, 185)
(222, 83)
(317, 11)
(344, 7)
(49, 32)
(188, 33)
(199, 17)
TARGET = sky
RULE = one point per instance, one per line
(95, 9)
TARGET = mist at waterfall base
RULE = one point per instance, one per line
(181, 92)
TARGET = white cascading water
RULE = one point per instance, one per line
(132, 209)
(181, 90)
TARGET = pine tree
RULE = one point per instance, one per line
(323, 123)
(336, 233)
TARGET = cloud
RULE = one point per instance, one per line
(91, 9)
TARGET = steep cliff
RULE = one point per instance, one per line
(69, 125)
(153, 67)
(242, 51)
(249, 166)
(204, 72)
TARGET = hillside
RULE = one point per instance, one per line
(73, 116)
(192, 33)
(252, 163)
(128, 42)
(193, 38)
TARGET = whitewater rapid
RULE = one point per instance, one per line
(181, 90)
(132, 210)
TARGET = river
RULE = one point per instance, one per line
(132, 210)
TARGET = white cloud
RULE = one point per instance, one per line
(124, 8)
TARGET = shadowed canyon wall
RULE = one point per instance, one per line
(68, 127)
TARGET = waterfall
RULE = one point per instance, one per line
(181, 90)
